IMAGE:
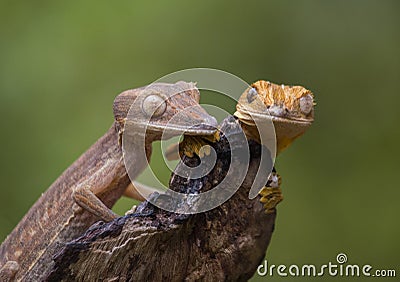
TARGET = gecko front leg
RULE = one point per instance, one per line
(86, 198)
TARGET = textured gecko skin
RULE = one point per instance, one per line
(290, 108)
(56, 218)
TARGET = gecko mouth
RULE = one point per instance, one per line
(205, 125)
(265, 116)
(205, 128)
(198, 129)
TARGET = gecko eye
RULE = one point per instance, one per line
(154, 106)
(251, 95)
(306, 104)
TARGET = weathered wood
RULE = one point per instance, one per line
(226, 243)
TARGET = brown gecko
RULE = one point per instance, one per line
(87, 190)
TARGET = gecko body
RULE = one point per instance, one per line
(291, 110)
(87, 190)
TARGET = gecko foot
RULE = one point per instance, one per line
(270, 197)
(198, 145)
(271, 194)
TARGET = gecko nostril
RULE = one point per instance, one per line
(306, 104)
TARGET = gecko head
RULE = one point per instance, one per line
(165, 110)
(290, 108)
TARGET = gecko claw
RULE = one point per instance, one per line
(270, 197)
(271, 194)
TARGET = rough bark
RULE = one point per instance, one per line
(225, 243)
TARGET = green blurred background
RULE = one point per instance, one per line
(62, 64)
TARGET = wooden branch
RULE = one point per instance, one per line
(225, 243)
